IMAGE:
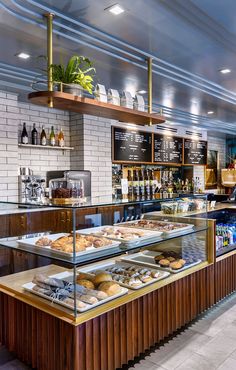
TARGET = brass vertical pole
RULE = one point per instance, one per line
(150, 88)
(49, 17)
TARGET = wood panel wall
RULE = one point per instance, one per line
(110, 340)
(225, 277)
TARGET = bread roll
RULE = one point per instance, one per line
(86, 283)
(110, 288)
(101, 277)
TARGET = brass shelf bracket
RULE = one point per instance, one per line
(149, 61)
(49, 17)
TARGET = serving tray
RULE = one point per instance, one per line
(136, 224)
(67, 276)
(146, 258)
(150, 236)
(105, 265)
(29, 243)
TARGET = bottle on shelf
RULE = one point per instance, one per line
(52, 137)
(130, 185)
(43, 137)
(141, 185)
(34, 136)
(136, 191)
(24, 135)
(152, 184)
(147, 186)
(61, 138)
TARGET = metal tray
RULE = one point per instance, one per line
(134, 224)
(66, 276)
(104, 265)
(29, 243)
(146, 258)
(149, 237)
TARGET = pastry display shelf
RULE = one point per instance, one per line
(45, 147)
(93, 107)
(12, 285)
(97, 255)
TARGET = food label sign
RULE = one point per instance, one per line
(131, 145)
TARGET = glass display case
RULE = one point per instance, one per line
(75, 258)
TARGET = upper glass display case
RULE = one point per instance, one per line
(82, 256)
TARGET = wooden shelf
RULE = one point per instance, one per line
(93, 107)
(45, 147)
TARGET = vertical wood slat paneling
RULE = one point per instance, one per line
(225, 277)
(110, 340)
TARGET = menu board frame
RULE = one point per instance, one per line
(194, 164)
(166, 163)
(132, 162)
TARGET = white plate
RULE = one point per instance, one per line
(150, 236)
(104, 265)
(145, 259)
(66, 276)
(178, 230)
(30, 243)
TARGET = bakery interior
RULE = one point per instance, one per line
(117, 180)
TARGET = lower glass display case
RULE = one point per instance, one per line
(77, 262)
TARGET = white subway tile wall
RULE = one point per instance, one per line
(89, 135)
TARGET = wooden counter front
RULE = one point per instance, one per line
(111, 339)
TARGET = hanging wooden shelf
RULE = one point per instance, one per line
(93, 107)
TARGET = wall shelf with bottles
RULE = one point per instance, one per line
(46, 147)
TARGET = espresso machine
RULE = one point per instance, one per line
(31, 187)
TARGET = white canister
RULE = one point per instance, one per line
(113, 97)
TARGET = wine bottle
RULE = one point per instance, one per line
(34, 136)
(52, 137)
(24, 135)
(43, 137)
(61, 139)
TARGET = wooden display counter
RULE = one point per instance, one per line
(104, 338)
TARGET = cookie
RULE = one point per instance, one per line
(164, 262)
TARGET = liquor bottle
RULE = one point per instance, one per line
(34, 136)
(136, 191)
(141, 184)
(130, 185)
(43, 137)
(52, 137)
(24, 135)
(147, 186)
(152, 184)
(61, 139)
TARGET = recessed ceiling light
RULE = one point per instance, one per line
(225, 70)
(210, 112)
(141, 92)
(115, 9)
(23, 55)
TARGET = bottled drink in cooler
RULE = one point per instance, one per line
(24, 135)
(147, 184)
(141, 185)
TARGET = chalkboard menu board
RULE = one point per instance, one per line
(131, 145)
(168, 149)
(195, 152)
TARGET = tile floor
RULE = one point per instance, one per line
(208, 343)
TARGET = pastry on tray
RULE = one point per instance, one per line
(120, 233)
(65, 243)
(110, 288)
(43, 242)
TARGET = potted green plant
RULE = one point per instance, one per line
(75, 77)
